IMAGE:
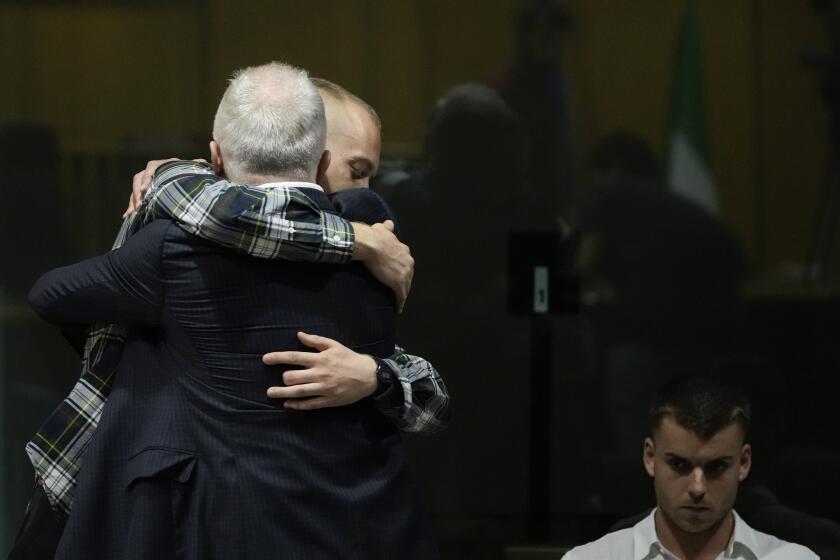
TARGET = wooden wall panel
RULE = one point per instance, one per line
(325, 37)
(370, 47)
(619, 64)
(464, 41)
(103, 74)
(794, 130)
(728, 48)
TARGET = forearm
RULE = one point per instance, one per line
(275, 223)
(388, 259)
(366, 242)
(121, 286)
(415, 399)
(77, 295)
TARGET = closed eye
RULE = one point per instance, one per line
(360, 168)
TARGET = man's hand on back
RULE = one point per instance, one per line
(143, 181)
(333, 376)
(388, 259)
(140, 185)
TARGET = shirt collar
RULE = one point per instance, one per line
(295, 184)
(646, 544)
(742, 536)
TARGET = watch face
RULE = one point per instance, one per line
(381, 372)
(383, 377)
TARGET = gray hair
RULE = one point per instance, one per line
(270, 122)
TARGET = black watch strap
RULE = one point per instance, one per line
(384, 377)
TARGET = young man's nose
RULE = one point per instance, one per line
(697, 484)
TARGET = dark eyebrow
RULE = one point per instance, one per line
(674, 456)
(724, 458)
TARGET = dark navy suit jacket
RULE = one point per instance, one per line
(191, 459)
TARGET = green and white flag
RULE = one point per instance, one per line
(689, 172)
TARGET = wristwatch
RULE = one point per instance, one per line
(384, 377)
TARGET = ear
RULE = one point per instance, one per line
(321, 174)
(216, 159)
(746, 462)
(649, 456)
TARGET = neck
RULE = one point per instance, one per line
(694, 546)
(251, 179)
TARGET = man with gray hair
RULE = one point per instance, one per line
(190, 456)
(255, 135)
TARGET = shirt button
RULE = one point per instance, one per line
(337, 237)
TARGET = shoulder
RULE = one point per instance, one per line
(173, 240)
(153, 234)
(147, 240)
(158, 227)
(165, 230)
(768, 546)
(774, 547)
(155, 242)
(361, 205)
(612, 546)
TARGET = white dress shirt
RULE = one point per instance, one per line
(295, 184)
(640, 542)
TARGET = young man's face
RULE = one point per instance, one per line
(354, 143)
(696, 480)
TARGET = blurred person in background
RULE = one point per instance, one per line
(536, 88)
(456, 211)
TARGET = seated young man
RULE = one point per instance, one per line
(697, 455)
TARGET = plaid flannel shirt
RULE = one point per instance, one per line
(423, 404)
(278, 222)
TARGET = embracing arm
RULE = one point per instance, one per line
(121, 286)
(405, 389)
(276, 223)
